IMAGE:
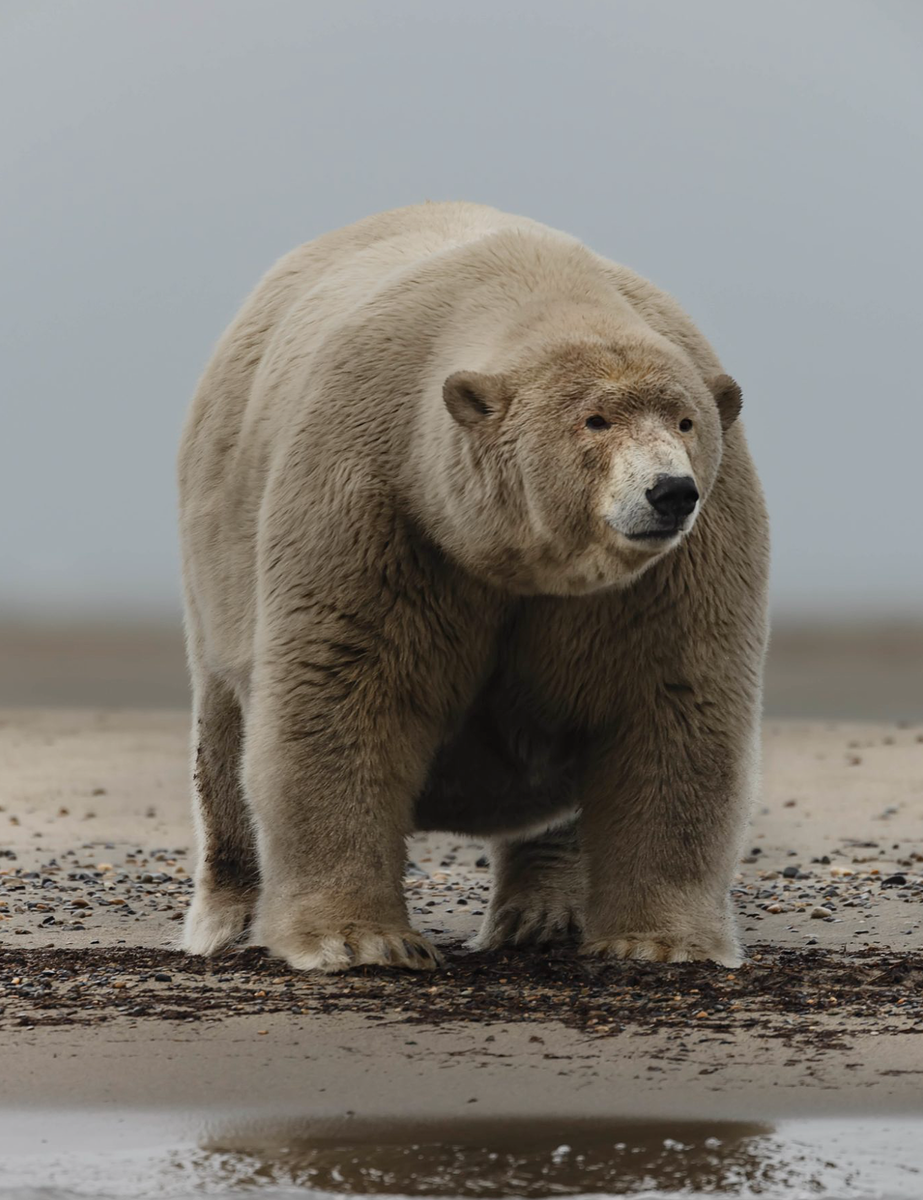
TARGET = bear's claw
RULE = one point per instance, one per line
(333, 952)
(655, 947)
(530, 921)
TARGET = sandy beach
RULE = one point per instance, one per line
(98, 1008)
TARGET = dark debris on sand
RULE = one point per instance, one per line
(814, 995)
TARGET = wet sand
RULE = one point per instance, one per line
(97, 1009)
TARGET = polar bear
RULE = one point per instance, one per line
(472, 541)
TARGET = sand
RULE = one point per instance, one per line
(826, 1017)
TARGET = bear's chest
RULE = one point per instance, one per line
(514, 756)
(566, 661)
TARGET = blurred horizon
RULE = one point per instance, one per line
(762, 163)
(831, 670)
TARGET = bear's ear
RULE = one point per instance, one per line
(728, 398)
(472, 397)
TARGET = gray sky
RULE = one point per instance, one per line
(762, 161)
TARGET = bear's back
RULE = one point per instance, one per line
(307, 295)
(340, 272)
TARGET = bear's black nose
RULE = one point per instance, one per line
(674, 496)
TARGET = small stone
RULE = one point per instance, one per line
(483, 862)
(820, 914)
(163, 977)
(790, 872)
(894, 881)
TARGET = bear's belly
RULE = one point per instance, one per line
(501, 771)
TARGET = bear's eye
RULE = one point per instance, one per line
(597, 422)
(685, 425)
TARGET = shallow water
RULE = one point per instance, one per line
(66, 1156)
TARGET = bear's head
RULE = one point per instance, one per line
(583, 468)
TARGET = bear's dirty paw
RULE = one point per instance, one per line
(339, 951)
(217, 918)
(541, 919)
(656, 947)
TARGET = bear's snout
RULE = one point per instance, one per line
(673, 497)
(667, 511)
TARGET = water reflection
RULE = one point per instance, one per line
(523, 1158)
(64, 1154)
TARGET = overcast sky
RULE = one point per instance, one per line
(761, 161)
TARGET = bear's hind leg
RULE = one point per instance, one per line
(538, 890)
(227, 875)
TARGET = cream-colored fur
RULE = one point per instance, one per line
(426, 587)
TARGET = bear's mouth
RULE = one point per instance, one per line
(655, 535)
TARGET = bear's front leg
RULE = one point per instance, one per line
(664, 809)
(332, 761)
(341, 727)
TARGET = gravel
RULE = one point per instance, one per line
(811, 996)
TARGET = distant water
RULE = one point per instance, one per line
(62, 1156)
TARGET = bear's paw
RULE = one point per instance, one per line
(216, 919)
(543, 918)
(331, 952)
(666, 948)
